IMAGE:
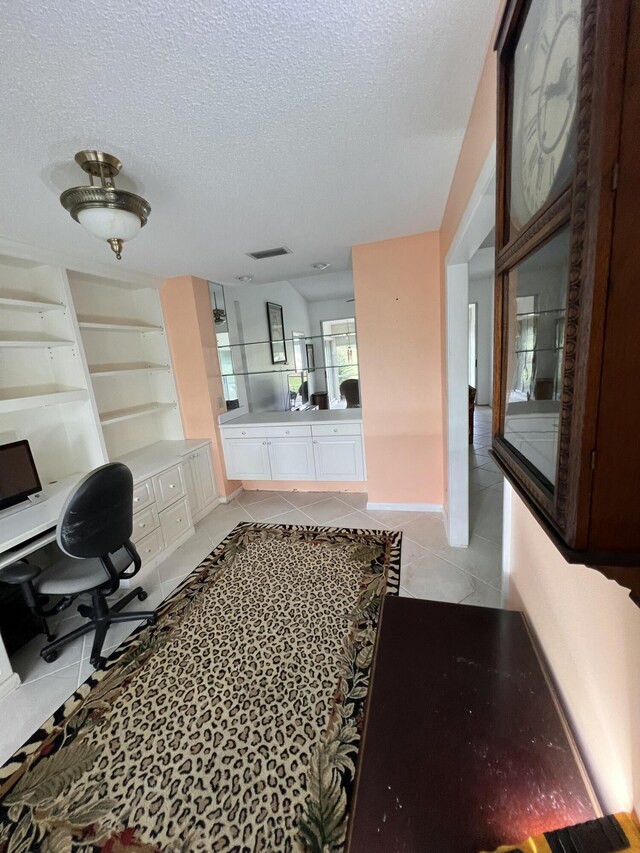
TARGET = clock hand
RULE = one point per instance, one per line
(553, 90)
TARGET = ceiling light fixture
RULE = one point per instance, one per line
(109, 214)
(320, 266)
(244, 278)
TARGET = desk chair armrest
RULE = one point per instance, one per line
(130, 572)
(20, 572)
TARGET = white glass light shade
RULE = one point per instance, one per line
(109, 224)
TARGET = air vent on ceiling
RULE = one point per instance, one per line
(270, 253)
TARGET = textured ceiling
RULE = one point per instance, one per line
(317, 124)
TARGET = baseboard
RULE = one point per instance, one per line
(407, 507)
(228, 498)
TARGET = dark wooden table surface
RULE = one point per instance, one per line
(465, 746)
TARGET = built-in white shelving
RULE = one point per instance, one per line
(21, 399)
(119, 415)
(19, 342)
(9, 303)
(117, 369)
(45, 389)
(129, 366)
(85, 368)
(113, 325)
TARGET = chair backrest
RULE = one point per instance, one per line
(350, 390)
(97, 517)
(303, 390)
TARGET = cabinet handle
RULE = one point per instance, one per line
(136, 500)
(172, 485)
(178, 520)
(286, 432)
(142, 524)
(147, 550)
(314, 441)
(264, 442)
(244, 432)
(335, 429)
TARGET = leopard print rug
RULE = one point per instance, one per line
(233, 723)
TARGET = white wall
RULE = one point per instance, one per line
(589, 631)
(481, 291)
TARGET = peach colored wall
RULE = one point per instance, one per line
(397, 290)
(192, 339)
(589, 631)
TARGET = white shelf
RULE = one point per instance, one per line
(32, 343)
(11, 304)
(115, 325)
(134, 412)
(20, 399)
(117, 369)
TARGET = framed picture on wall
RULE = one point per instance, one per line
(276, 333)
(311, 359)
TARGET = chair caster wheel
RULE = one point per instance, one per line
(152, 620)
(142, 595)
(98, 662)
(49, 657)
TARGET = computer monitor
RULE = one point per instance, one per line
(18, 475)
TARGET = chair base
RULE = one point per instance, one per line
(100, 616)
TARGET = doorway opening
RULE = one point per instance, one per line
(475, 229)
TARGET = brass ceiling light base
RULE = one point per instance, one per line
(90, 205)
(116, 245)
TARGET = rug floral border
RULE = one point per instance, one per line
(332, 767)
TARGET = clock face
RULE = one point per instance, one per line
(545, 89)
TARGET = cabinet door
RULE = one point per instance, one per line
(247, 459)
(291, 459)
(202, 468)
(191, 483)
(339, 457)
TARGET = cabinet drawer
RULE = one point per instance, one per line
(288, 432)
(150, 546)
(144, 522)
(169, 486)
(337, 429)
(175, 521)
(244, 432)
(142, 495)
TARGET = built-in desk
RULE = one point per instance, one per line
(174, 486)
(465, 745)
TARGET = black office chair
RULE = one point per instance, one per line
(350, 390)
(94, 529)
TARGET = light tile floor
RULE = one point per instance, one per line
(430, 569)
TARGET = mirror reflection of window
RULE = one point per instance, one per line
(340, 346)
(536, 299)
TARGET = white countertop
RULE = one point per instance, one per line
(310, 416)
(156, 457)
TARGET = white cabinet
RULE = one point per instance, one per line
(338, 457)
(313, 451)
(200, 482)
(291, 458)
(168, 486)
(247, 459)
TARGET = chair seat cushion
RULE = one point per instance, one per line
(69, 576)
